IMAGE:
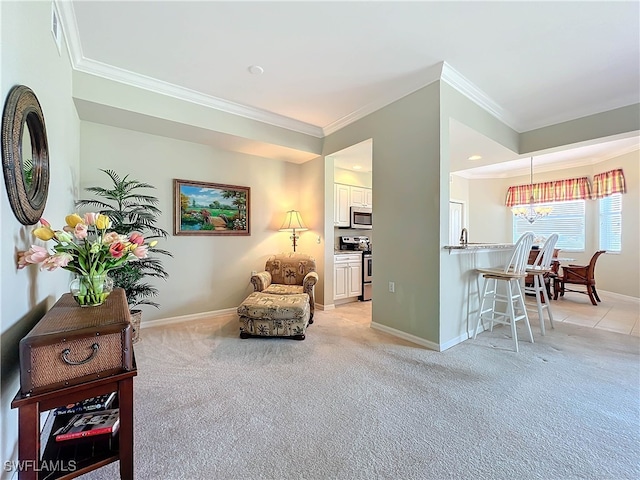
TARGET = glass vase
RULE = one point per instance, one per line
(91, 290)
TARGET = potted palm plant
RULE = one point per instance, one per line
(132, 210)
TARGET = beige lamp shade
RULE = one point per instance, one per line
(292, 222)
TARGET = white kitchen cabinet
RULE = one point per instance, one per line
(341, 205)
(346, 196)
(355, 278)
(356, 198)
(347, 280)
(340, 279)
(360, 196)
(368, 197)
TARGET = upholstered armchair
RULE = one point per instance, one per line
(286, 274)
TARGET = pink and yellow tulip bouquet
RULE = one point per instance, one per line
(86, 247)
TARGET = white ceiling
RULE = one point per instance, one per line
(328, 63)
(357, 157)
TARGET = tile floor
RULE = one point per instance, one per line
(614, 313)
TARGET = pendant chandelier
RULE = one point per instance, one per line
(531, 212)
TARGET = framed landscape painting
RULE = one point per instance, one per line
(202, 208)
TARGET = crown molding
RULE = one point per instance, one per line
(181, 93)
(440, 71)
(70, 30)
(468, 89)
(83, 64)
(432, 74)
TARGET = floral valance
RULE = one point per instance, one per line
(556, 191)
(608, 183)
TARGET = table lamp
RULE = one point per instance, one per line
(293, 222)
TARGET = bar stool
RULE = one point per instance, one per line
(511, 275)
(541, 267)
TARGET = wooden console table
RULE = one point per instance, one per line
(31, 467)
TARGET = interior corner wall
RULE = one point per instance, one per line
(406, 195)
(206, 272)
(329, 231)
(311, 207)
(29, 56)
(453, 268)
(613, 271)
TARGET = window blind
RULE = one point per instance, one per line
(567, 219)
(611, 223)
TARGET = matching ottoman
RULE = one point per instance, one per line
(271, 315)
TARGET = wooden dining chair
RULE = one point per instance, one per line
(579, 275)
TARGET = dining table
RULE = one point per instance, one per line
(555, 267)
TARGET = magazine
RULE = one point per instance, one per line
(89, 424)
(101, 402)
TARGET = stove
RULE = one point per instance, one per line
(363, 244)
(359, 243)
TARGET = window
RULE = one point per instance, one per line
(567, 219)
(611, 223)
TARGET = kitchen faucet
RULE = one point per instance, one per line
(464, 237)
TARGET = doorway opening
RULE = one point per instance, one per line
(353, 238)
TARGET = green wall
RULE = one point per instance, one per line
(406, 195)
(29, 56)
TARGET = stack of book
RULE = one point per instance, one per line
(88, 425)
(87, 418)
(93, 404)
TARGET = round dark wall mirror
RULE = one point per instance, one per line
(25, 154)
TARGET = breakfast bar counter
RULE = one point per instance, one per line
(473, 247)
(460, 286)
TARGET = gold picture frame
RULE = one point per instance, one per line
(203, 208)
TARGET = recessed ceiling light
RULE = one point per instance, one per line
(256, 70)
(475, 157)
(357, 167)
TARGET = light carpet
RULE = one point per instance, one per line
(350, 402)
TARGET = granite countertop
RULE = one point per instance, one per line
(346, 252)
(480, 246)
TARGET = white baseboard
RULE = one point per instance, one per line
(330, 306)
(620, 296)
(344, 301)
(189, 318)
(406, 336)
(210, 314)
(455, 341)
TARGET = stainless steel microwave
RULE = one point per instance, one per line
(361, 218)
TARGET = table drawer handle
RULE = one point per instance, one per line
(67, 351)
